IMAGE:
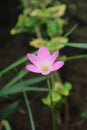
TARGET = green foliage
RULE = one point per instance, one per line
(84, 114)
(40, 3)
(20, 75)
(6, 125)
(77, 45)
(58, 43)
(56, 97)
(25, 22)
(36, 15)
(14, 88)
(40, 14)
(59, 92)
(19, 89)
(13, 65)
(8, 110)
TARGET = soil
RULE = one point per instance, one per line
(15, 47)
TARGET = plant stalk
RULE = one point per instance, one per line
(51, 106)
(29, 110)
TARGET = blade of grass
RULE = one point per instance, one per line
(29, 110)
(71, 30)
(17, 89)
(8, 110)
(75, 57)
(77, 45)
(21, 74)
(33, 80)
(6, 125)
(15, 64)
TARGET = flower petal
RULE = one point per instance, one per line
(54, 56)
(43, 53)
(33, 58)
(32, 68)
(45, 73)
(57, 65)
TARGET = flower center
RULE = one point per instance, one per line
(45, 67)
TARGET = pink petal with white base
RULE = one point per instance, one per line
(32, 68)
(57, 65)
(54, 56)
(44, 62)
(45, 73)
(43, 53)
(33, 58)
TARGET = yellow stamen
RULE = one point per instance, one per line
(45, 67)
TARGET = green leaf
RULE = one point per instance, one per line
(20, 88)
(77, 45)
(13, 65)
(71, 30)
(84, 114)
(68, 86)
(29, 111)
(6, 125)
(10, 88)
(61, 22)
(52, 28)
(18, 30)
(21, 74)
(75, 57)
(8, 110)
(31, 81)
(25, 82)
(56, 97)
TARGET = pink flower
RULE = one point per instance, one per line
(44, 62)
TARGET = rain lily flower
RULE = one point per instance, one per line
(44, 62)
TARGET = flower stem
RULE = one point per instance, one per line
(29, 110)
(51, 106)
(38, 33)
(76, 57)
(56, 78)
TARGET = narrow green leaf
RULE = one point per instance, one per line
(29, 110)
(20, 88)
(77, 45)
(8, 110)
(21, 74)
(84, 114)
(6, 125)
(71, 30)
(15, 64)
(25, 82)
(31, 81)
(75, 57)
